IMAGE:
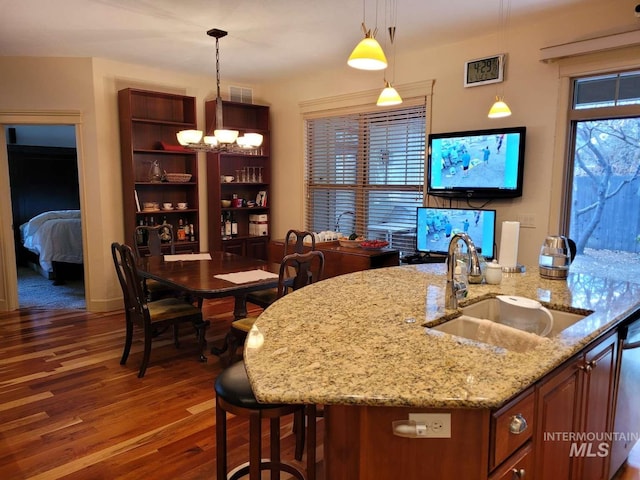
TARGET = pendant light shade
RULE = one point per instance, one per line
(368, 54)
(389, 96)
(499, 109)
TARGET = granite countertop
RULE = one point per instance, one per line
(360, 339)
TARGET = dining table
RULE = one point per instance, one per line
(214, 274)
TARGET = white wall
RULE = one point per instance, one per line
(532, 90)
(90, 86)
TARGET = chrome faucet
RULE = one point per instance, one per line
(337, 225)
(454, 287)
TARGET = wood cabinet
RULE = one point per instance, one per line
(598, 371)
(512, 426)
(251, 174)
(535, 435)
(577, 399)
(149, 122)
(340, 260)
(517, 466)
(360, 444)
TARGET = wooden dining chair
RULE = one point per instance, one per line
(264, 298)
(151, 316)
(296, 271)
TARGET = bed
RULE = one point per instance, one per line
(55, 238)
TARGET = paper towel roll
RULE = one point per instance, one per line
(508, 256)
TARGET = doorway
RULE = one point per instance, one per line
(45, 203)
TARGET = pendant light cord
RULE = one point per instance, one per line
(218, 97)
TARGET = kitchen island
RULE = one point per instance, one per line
(358, 345)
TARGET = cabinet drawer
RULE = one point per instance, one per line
(520, 466)
(511, 427)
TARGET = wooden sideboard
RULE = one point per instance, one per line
(340, 260)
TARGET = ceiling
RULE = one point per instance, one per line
(267, 38)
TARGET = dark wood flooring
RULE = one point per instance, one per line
(69, 410)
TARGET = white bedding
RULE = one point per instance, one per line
(54, 236)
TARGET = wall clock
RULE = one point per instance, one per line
(482, 71)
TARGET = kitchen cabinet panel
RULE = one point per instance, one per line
(576, 399)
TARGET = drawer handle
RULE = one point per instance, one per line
(518, 424)
(518, 473)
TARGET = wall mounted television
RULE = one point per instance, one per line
(483, 164)
(436, 226)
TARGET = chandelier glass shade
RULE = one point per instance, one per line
(222, 140)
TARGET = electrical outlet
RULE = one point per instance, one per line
(432, 425)
(527, 220)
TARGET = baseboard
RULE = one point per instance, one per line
(106, 305)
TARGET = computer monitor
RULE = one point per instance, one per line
(436, 226)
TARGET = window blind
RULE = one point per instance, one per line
(365, 173)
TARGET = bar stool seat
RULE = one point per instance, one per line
(234, 395)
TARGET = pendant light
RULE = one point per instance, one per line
(368, 54)
(500, 109)
(389, 95)
(222, 140)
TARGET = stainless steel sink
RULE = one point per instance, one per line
(490, 309)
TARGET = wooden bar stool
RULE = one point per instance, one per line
(234, 395)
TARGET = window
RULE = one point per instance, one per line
(607, 90)
(365, 173)
(604, 184)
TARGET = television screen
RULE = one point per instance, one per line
(476, 164)
(436, 226)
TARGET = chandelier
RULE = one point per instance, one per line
(222, 140)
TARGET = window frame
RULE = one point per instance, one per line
(575, 116)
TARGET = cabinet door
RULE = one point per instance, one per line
(597, 402)
(257, 247)
(558, 407)
(234, 246)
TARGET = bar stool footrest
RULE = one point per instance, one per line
(266, 464)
